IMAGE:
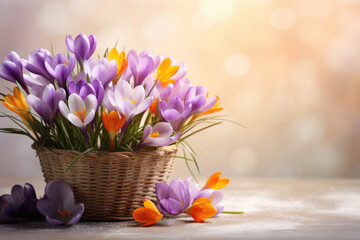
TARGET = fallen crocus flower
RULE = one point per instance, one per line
(148, 215)
(58, 204)
(174, 198)
(19, 205)
(201, 209)
(215, 182)
(215, 196)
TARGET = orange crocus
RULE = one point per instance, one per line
(153, 106)
(148, 215)
(215, 182)
(165, 71)
(17, 104)
(121, 61)
(112, 123)
(201, 209)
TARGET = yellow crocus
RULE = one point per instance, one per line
(165, 72)
(121, 61)
(17, 103)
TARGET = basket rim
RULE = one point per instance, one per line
(169, 148)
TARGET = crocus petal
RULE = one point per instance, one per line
(69, 43)
(219, 209)
(221, 183)
(76, 213)
(76, 103)
(213, 179)
(53, 221)
(47, 208)
(60, 193)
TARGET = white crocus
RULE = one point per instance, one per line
(80, 112)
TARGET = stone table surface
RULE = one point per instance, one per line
(274, 209)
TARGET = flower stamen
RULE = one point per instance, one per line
(64, 214)
(81, 114)
(154, 134)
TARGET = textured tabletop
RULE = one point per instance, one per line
(274, 209)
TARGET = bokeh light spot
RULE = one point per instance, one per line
(283, 18)
(237, 64)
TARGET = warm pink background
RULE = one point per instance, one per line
(288, 70)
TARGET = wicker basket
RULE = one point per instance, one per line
(110, 184)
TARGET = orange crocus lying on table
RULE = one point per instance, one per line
(148, 215)
(201, 209)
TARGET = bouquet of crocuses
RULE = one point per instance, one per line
(117, 102)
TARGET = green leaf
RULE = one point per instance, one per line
(232, 212)
(81, 155)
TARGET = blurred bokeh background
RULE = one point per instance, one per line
(287, 70)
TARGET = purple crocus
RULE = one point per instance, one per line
(174, 198)
(196, 95)
(126, 100)
(36, 63)
(83, 89)
(139, 66)
(175, 112)
(36, 83)
(19, 205)
(12, 70)
(58, 204)
(215, 196)
(102, 70)
(83, 47)
(60, 67)
(47, 104)
(159, 135)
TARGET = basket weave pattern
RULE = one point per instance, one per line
(110, 184)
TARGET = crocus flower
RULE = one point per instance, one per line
(19, 205)
(12, 70)
(36, 63)
(121, 61)
(58, 204)
(80, 112)
(149, 214)
(197, 97)
(60, 67)
(165, 72)
(215, 196)
(47, 105)
(17, 104)
(215, 182)
(102, 70)
(174, 198)
(175, 112)
(213, 109)
(139, 66)
(125, 100)
(113, 123)
(83, 89)
(159, 135)
(83, 47)
(201, 209)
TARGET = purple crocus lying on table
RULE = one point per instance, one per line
(58, 204)
(19, 205)
(176, 197)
